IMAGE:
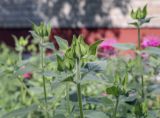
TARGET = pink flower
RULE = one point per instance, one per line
(106, 48)
(27, 75)
(150, 41)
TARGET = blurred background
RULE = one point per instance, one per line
(94, 19)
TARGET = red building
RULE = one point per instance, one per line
(94, 19)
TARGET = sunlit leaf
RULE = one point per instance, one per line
(62, 43)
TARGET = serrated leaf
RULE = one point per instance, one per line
(62, 43)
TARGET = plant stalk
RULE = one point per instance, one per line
(143, 96)
(79, 94)
(139, 47)
(139, 38)
(43, 77)
(116, 107)
(67, 99)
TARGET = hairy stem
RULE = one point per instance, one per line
(79, 94)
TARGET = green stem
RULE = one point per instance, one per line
(143, 96)
(139, 38)
(79, 94)
(43, 77)
(67, 99)
(20, 56)
(116, 107)
(139, 47)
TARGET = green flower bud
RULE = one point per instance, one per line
(83, 47)
(60, 64)
(23, 41)
(139, 13)
(69, 53)
(133, 14)
(42, 30)
(79, 47)
(69, 64)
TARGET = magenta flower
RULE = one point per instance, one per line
(150, 41)
(27, 75)
(106, 48)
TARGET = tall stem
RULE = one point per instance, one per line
(43, 77)
(67, 99)
(142, 87)
(116, 107)
(79, 94)
(139, 38)
(139, 47)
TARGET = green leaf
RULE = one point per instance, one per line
(96, 114)
(93, 47)
(91, 77)
(106, 101)
(146, 20)
(152, 50)
(59, 116)
(62, 43)
(21, 112)
(125, 46)
(133, 14)
(60, 63)
(125, 81)
(48, 46)
(113, 90)
(26, 69)
(144, 11)
(49, 74)
(134, 24)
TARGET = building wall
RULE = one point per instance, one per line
(74, 13)
(95, 19)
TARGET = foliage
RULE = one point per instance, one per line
(72, 82)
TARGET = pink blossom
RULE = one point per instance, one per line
(106, 48)
(150, 41)
(27, 75)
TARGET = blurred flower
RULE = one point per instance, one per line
(150, 41)
(106, 48)
(27, 75)
(145, 56)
